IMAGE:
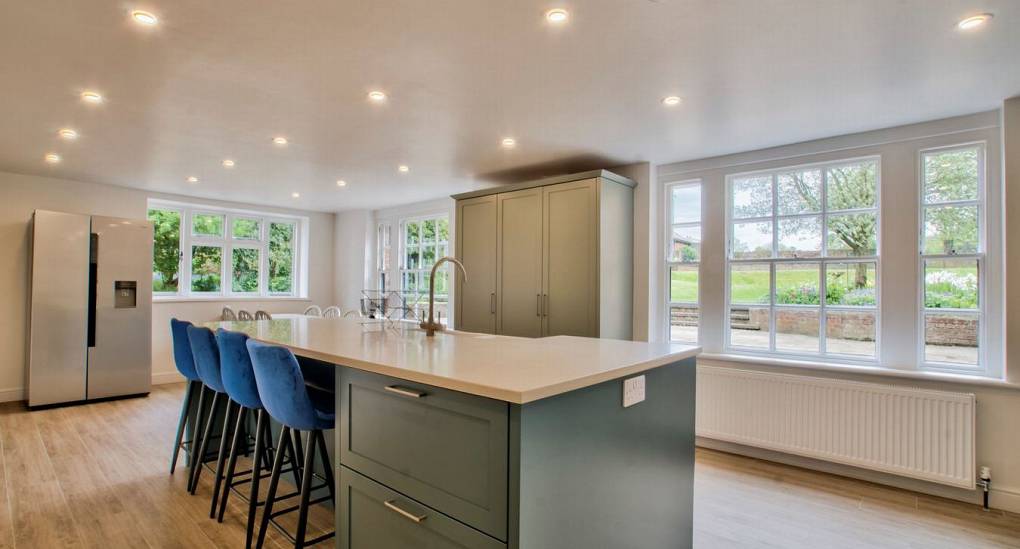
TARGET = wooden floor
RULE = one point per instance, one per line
(96, 476)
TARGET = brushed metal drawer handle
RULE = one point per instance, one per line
(406, 514)
(404, 391)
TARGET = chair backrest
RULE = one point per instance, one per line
(207, 357)
(244, 315)
(183, 358)
(236, 369)
(262, 315)
(332, 312)
(227, 314)
(282, 385)
(313, 310)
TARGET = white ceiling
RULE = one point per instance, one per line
(218, 79)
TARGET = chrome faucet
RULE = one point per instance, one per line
(431, 326)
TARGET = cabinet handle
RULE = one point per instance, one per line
(546, 312)
(406, 514)
(404, 391)
(538, 306)
(492, 303)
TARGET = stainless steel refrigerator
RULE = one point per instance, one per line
(90, 329)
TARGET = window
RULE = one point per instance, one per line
(683, 259)
(802, 276)
(226, 253)
(952, 257)
(424, 240)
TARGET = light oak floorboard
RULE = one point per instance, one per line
(97, 476)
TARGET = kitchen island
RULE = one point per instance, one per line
(478, 441)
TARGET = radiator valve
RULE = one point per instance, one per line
(985, 482)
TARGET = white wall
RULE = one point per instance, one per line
(22, 194)
(353, 257)
(998, 406)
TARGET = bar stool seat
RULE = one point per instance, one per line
(282, 389)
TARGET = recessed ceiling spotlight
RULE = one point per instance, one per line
(974, 21)
(89, 96)
(295, 195)
(341, 183)
(557, 15)
(509, 142)
(228, 163)
(377, 96)
(403, 169)
(192, 179)
(144, 18)
(280, 141)
(68, 134)
(52, 158)
(671, 101)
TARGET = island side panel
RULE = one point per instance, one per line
(587, 472)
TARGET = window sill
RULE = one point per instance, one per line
(222, 298)
(859, 369)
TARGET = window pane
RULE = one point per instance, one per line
(444, 250)
(750, 283)
(246, 229)
(443, 227)
(749, 327)
(951, 230)
(245, 276)
(951, 284)
(800, 237)
(797, 330)
(951, 175)
(441, 282)
(752, 240)
(166, 249)
(752, 196)
(796, 284)
(206, 267)
(799, 192)
(850, 333)
(951, 338)
(428, 255)
(411, 233)
(850, 284)
(281, 257)
(207, 225)
(428, 230)
(412, 260)
(853, 235)
(686, 244)
(683, 323)
(852, 186)
(686, 203)
(683, 283)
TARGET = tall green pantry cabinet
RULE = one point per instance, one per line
(547, 257)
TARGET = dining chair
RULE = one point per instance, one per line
(228, 314)
(244, 315)
(262, 315)
(313, 310)
(332, 312)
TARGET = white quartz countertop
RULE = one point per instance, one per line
(512, 369)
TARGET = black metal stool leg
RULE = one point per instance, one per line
(274, 481)
(327, 468)
(185, 409)
(196, 467)
(196, 432)
(306, 489)
(232, 462)
(221, 458)
(261, 440)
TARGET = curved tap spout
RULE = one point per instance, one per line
(431, 326)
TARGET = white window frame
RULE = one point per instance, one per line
(981, 368)
(823, 260)
(227, 243)
(667, 253)
(402, 260)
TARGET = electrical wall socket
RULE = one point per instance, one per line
(633, 391)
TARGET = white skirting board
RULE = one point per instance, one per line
(916, 433)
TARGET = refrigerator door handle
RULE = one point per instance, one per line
(93, 281)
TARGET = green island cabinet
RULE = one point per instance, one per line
(425, 467)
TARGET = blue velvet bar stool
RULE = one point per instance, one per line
(283, 393)
(185, 362)
(207, 362)
(239, 381)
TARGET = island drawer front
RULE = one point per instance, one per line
(372, 516)
(446, 449)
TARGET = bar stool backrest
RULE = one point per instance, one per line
(282, 386)
(207, 357)
(313, 310)
(183, 358)
(332, 312)
(236, 369)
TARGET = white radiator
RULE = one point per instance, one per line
(912, 432)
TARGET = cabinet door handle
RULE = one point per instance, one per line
(538, 304)
(404, 391)
(492, 303)
(392, 506)
(546, 312)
